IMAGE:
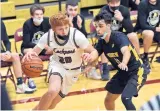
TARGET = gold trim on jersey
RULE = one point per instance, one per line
(140, 75)
(133, 50)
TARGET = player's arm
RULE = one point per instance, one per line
(95, 53)
(123, 43)
(90, 52)
(126, 54)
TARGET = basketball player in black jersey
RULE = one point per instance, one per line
(120, 52)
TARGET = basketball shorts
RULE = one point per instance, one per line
(68, 77)
(127, 82)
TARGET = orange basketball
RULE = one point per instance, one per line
(33, 68)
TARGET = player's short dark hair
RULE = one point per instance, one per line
(36, 7)
(72, 3)
(104, 15)
(113, 1)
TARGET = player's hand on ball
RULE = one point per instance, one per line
(86, 57)
(123, 66)
(29, 56)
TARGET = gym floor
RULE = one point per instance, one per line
(86, 94)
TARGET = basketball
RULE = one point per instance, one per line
(32, 68)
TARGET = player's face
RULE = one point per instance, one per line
(62, 30)
(72, 10)
(38, 14)
(101, 27)
(153, 1)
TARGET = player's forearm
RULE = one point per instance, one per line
(37, 49)
(126, 56)
(94, 57)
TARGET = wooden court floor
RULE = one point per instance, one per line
(86, 94)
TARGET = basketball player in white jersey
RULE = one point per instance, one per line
(68, 46)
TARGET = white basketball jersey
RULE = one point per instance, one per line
(68, 54)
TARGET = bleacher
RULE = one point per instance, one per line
(15, 12)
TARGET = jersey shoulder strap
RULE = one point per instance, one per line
(48, 38)
(74, 34)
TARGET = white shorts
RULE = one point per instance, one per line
(69, 77)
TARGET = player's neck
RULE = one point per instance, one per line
(108, 37)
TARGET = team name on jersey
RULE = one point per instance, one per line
(63, 51)
(113, 54)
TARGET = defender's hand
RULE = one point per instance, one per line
(86, 57)
(123, 66)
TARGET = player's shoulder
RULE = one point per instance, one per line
(117, 33)
(118, 36)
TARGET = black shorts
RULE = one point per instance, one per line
(127, 82)
(156, 37)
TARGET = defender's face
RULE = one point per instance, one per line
(62, 30)
(101, 27)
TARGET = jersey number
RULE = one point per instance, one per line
(65, 60)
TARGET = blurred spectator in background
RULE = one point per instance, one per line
(33, 30)
(132, 4)
(7, 56)
(120, 21)
(76, 19)
(148, 24)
